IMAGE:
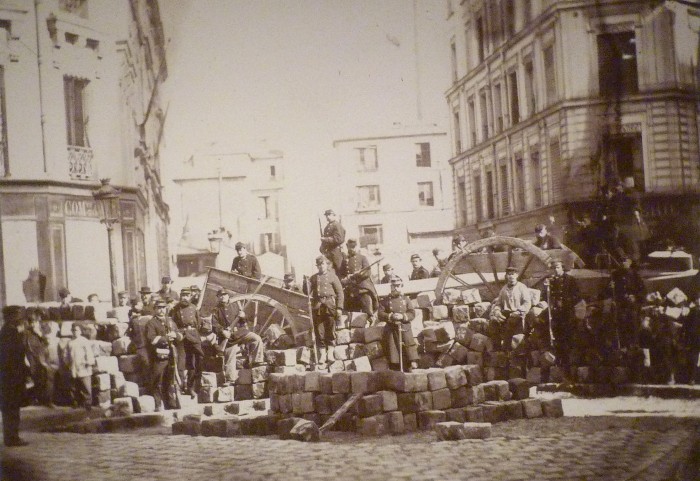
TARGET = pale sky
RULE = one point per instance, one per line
(293, 75)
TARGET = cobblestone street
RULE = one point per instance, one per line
(615, 452)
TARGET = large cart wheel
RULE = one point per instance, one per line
(482, 264)
(265, 316)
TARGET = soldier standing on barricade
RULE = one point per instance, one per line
(562, 296)
(327, 298)
(161, 333)
(508, 311)
(245, 263)
(691, 338)
(332, 238)
(355, 276)
(187, 319)
(399, 344)
(231, 330)
(628, 292)
(418, 272)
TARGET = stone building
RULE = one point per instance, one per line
(551, 100)
(80, 101)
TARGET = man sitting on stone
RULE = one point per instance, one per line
(228, 323)
(508, 311)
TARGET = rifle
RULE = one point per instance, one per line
(307, 286)
(322, 249)
(176, 384)
(613, 309)
(549, 311)
(364, 269)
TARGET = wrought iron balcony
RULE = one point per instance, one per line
(80, 163)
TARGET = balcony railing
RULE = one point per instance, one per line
(80, 163)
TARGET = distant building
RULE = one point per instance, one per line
(553, 99)
(79, 101)
(241, 193)
(394, 191)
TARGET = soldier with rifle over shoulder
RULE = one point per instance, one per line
(332, 238)
(355, 275)
(562, 295)
(161, 334)
(399, 344)
(327, 299)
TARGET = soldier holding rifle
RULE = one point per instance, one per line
(187, 318)
(326, 300)
(562, 295)
(332, 238)
(360, 293)
(399, 344)
(161, 334)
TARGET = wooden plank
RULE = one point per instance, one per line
(341, 410)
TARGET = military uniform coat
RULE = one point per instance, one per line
(399, 304)
(247, 266)
(331, 248)
(187, 319)
(13, 371)
(419, 273)
(225, 316)
(356, 282)
(327, 290)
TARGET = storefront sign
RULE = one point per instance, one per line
(81, 208)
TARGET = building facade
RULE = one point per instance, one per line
(395, 192)
(237, 197)
(551, 100)
(79, 100)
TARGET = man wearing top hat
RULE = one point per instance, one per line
(187, 319)
(228, 323)
(508, 311)
(245, 263)
(148, 308)
(355, 276)
(332, 240)
(418, 272)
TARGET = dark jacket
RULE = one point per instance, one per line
(419, 273)
(326, 289)
(225, 316)
(563, 293)
(247, 266)
(336, 232)
(156, 331)
(189, 323)
(627, 282)
(547, 242)
(355, 276)
(13, 371)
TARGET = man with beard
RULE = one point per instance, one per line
(355, 276)
(399, 344)
(187, 319)
(161, 333)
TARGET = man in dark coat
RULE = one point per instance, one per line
(13, 373)
(161, 334)
(388, 274)
(245, 263)
(187, 319)
(545, 240)
(628, 292)
(691, 338)
(37, 354)
(418, 272)
(332, 240)
(355, 276)
(562, 295)
(396, 310)
(327, 299)
(146, 294)
(166, 291)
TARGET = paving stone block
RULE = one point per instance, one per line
(519, 388)
(286, 370)
(322, 404)
(206, 394)
(259, 390)
(302, 402)
(285, 403)
(489, 373)
(178, 428)
(192, 428)
(496, 359)
(479, 324)
(127, 364)
(233, 427)
(456, 377)
(128, 389)
(312, 381)
(213, 427)
(480, 343)
(451, 297)
(108, 364)
(556, 374)
(494, 412)
(552, 408)
(341, 382)
(259, 374)
(245, 376)
(477, 430)
(455, 414)
(357, 319)
(478, 395)
(102, 398)
(410, 422)
(428, 419)
(362, 364)
(364, 382)
(209, 379)
(343, 336)
(260, 405)
(340, 352)
(415, 401)
(462, 396)
(372, 426)
(532, 408)
(442, 399)
(274, 402)
(459, 353)
(439, 312)
(326, 383)
(389, 400)
(101, 381)
(534, 375)
(436, 379)
(121, 346)
(356, 350)
(300, 430)
(336, 401)
(374, 350)
(461, 314)
(298, 382)
(373, 334)
(490, 391)
(276, 383)
(425, 299)
(122, 406)
(474, 414)
(475, 358)
(370, 405)
(514, 410)
(357, 335)
(242, 392)
(303, 355)
(224, 394)
(394, 422)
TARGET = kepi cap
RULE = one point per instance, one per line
(329, 212)
(511, 269)
(415, 256)
(351, 242)
(145, 290)
(166, 280)
(320, 260)
(185, 290)
(222, 292)
(387, 267)
(396, 280)
(160, 303)
(289, 277)
(239, 245)
(63, 292)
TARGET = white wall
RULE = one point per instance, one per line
(20, 255)
(87, 256)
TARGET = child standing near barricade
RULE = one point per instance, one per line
(80, 359)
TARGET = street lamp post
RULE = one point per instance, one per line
(108, 198)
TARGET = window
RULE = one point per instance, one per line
(550, 76)
(453, 58)
(4, 156)
(514, 101)
(371, 235)
(498, 108)
(472, 121)
(536, 177)
(457, 132)
(520, 182)
(617, 64)
(423, 154)
(461, 201)
(76, 115)
(625, 152)
(484, 114)
(273, 173)
(480, 40)
(557, 171)
(469, 46)
(530, 99)
(527, 11)
(425, 194)
(264, 206)
(367, 159)
(58, 256)
(368, 197)
(510, 17)
(478, 203)
(93, 44)
(268, 242)
(71, 38)
(505, 198)
(490, 195)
